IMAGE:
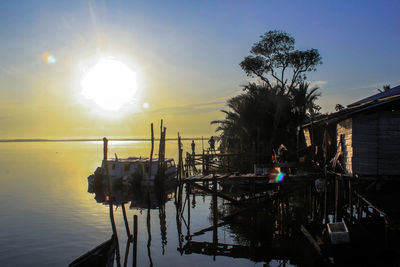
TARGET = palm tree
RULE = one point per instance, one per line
(262, 118)
(339, 107)
(303, 101)
(385, 88)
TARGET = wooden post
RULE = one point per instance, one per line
(202, 163)
(105, 148)
(180, 161)
(335, 201)
(310, 201)
(326, 198)
(350, 200)
(151, 156)
(135, 235)
(161, 151)
(340, 198)
(128, 232)
(110, 197)
(207, 171)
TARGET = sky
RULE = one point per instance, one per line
(186, 55)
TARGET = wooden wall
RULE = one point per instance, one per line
(365, 144)
(376, 143)
(345, 128)
(389, 143)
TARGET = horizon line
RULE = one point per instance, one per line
(21, 140)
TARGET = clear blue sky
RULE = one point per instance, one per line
(187, 51)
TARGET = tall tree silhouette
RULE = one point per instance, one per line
(268, 112)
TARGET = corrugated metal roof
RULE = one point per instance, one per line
(386, 98)
(391, 92)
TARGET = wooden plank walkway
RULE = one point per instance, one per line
(278, 249)
(246, 178)
(242, 177)
(221, 195)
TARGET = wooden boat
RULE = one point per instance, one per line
(132, 170)
(102, 255)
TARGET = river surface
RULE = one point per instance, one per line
(48, 218)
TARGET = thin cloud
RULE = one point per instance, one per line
(319, 84)
(197, 108)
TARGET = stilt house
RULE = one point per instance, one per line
(364, 137)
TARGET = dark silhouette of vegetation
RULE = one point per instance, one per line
(268, 113)
(275, 61)
(385, 88)
(339, 107)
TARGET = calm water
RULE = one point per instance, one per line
(49, 219)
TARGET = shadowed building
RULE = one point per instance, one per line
(364, 137)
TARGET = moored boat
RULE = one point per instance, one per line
(102, 255)
(132, 171)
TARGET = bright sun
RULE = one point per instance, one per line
(110, 84)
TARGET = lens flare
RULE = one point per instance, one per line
(280, 177)
(48, 58)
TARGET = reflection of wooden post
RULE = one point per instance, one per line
(178, 207)
(128, 232)
(148, 223)
(188, 210)
(215, 215)
(135, 234)
(127, 248)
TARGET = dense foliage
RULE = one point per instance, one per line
(269, 112)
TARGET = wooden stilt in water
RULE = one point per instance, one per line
(336, 199)
(128, 232)
(215, 215)
(350, 201)
(127, 248)
(188, 210)
(161, 151)
(148, 223)
(202, 158)
(135, 235)
(110, 197)
(180, 160)
(326, 199)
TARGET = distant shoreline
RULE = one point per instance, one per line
(93, 140)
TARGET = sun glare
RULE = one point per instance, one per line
(110, 84)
